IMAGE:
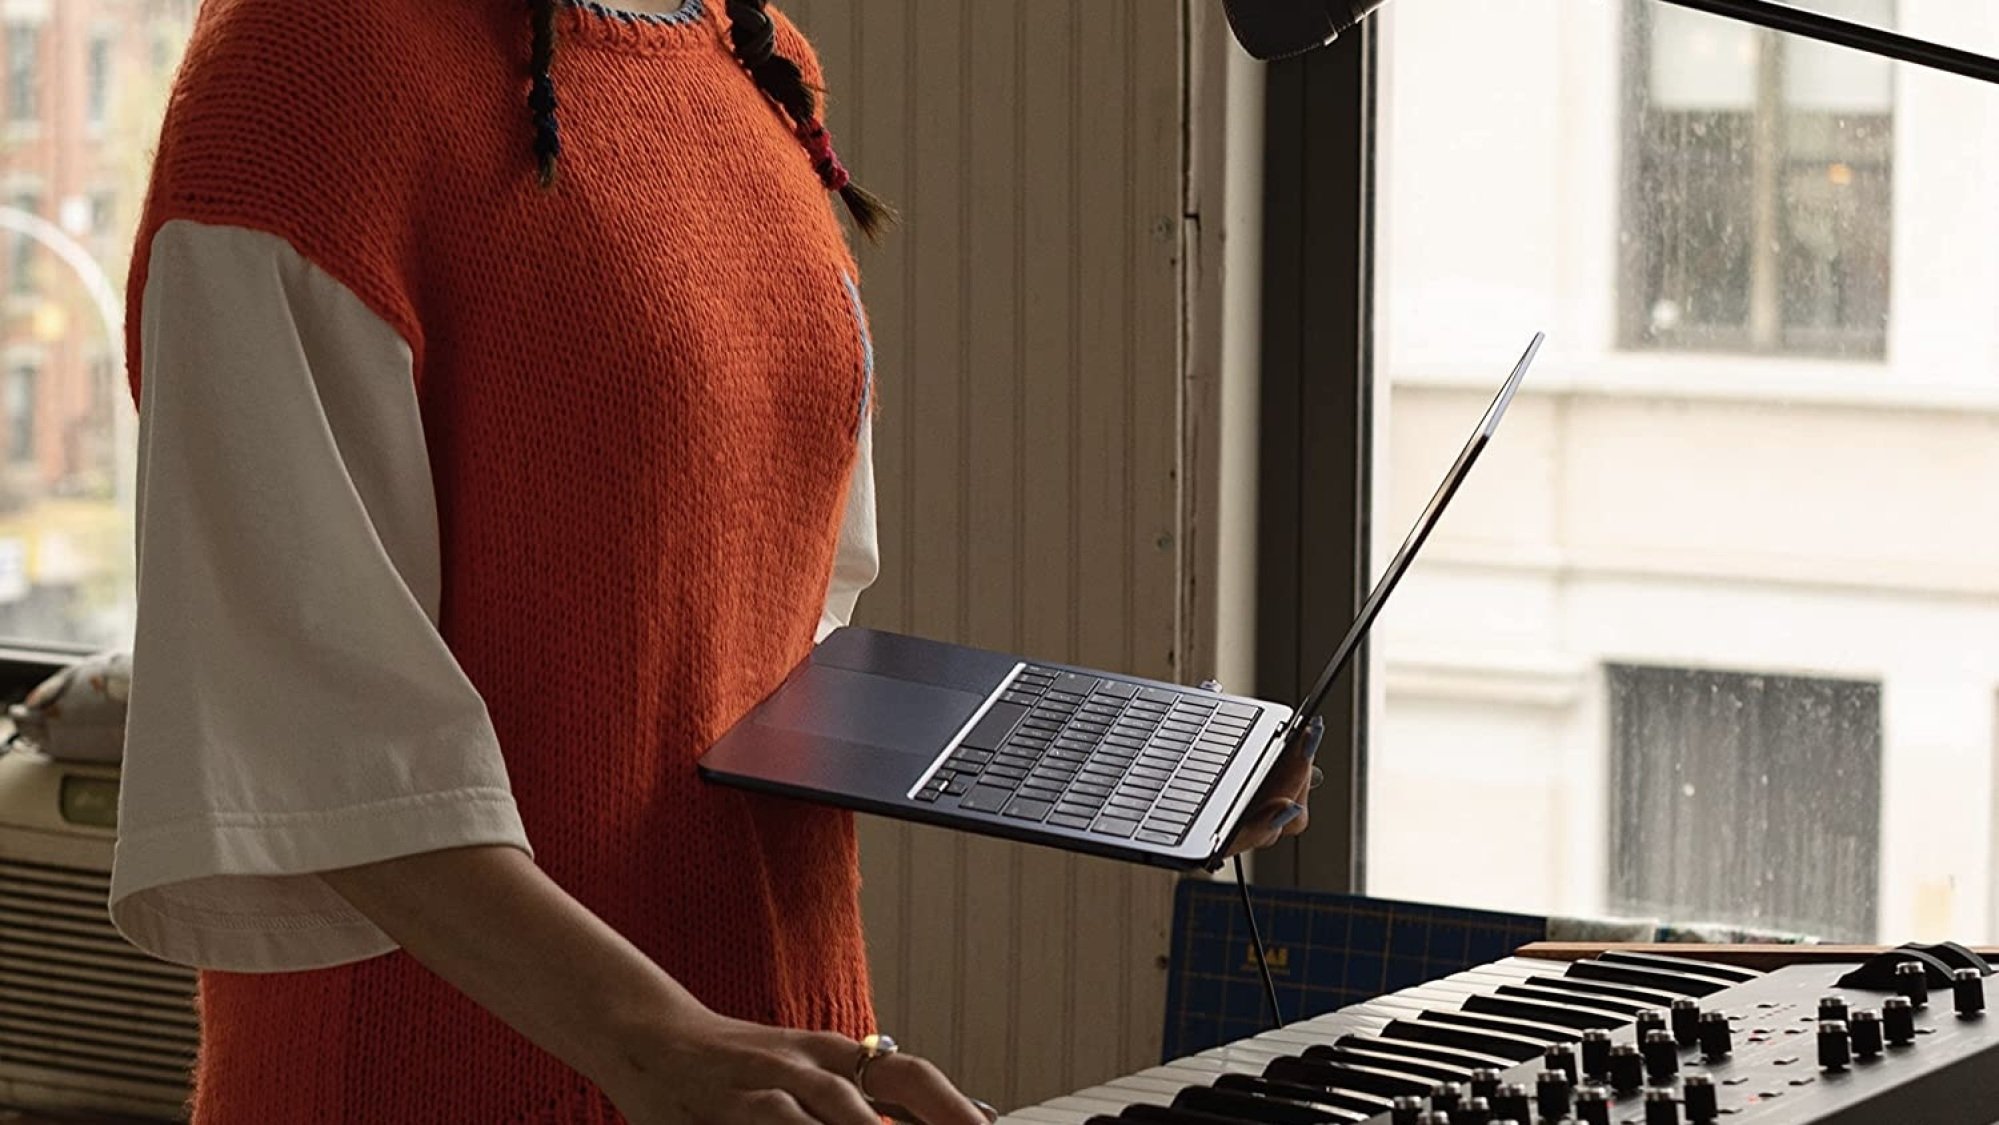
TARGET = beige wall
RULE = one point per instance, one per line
(1027, 316)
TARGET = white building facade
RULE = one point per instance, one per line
(1713, 634)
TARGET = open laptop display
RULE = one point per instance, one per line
(1074, 758)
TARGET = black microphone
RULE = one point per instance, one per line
(1278, 29)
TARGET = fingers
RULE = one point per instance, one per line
(905, 1080)
(799, 1079)
(773, 1107)
(916, 1085)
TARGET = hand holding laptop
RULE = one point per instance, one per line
(1282, 806)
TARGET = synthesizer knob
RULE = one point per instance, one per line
(1596, 1054)
(1835, 1048)
(1703, 1107)
(1513, 1103)
(1898, 1020)
(1562, 1057)
(1832, 1009)
(1913, 982)
(1554, 1091)
(1686, 1021)
(1660, 1108)
(1967, 986)
(1405, 1110)
(1446, 1097)
(1627, 1068)
(1662, 1057)
(1484, 1083)
(1866, 1029)
(1649, 1021)
(1593, 1105)
(1475, 1111)
(1717, 1041)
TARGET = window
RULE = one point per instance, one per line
(21, 271)
(1767, 767)
(70, 428)
(24, 42)
(1758, 194)
(1749, 565)
(20, 407)
(97, 94)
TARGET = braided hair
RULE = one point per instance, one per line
(753, 37)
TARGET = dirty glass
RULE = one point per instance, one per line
(84, 89)
(1712, 636)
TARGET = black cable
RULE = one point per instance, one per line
(1262, 958)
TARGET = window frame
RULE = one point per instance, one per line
(1315, 485)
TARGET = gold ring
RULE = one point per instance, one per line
(873, 1047)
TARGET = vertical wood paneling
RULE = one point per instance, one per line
(1027, 322)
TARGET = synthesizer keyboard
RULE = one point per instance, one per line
(1624, 1037)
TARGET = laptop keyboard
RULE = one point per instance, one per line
(1075, 751)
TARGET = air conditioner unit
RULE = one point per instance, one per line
(87, 1022)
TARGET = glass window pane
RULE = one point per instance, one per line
(1712, 634)
(84, 89)
(1703, 63)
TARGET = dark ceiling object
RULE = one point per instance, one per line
(1275, 29)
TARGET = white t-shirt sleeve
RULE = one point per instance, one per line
(294, 708)
(858, 561)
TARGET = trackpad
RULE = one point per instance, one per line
(860, 707)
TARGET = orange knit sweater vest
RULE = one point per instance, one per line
(641, 393)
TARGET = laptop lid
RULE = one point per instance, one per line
(1425, 523)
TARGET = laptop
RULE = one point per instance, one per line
(1074, 758)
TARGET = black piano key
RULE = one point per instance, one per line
(1238, 1106)
(1676, 983)
(1464, 1060)
(1381, 1060)
(1527, 1029)
(1645, 997)
(1163, 1115)
(1730, 973)
(1626, 1009)
(1366, 1105)
(1338, 1076)
(1561, 1015)
(1512, 1048)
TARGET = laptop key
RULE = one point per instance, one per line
(1237, 710)
(1090, 789)
(1070, 820)
(1118, 688)
(985, 798)
(959, 785)
(1029, 808)
(993, 727)
(929, 793)
(1119, 826)
(1153, 836)
(1158, 695)
(1018, 698)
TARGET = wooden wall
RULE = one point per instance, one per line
(1027, 317)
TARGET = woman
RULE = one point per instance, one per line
(505, 436)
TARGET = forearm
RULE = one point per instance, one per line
(492, 924)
